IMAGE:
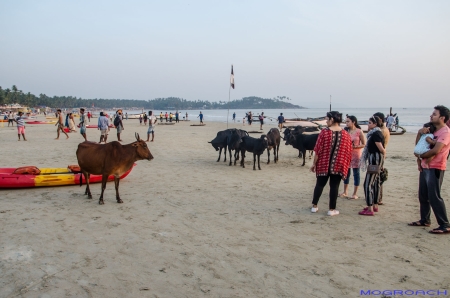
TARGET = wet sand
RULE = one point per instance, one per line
(193, 227)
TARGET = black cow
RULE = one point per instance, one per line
(256, 146)
(298, 129)
(234, 139)
(303, 142)
(273, 141)
(221, 140)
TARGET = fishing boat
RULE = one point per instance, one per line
(31, 176)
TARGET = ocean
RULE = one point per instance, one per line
(411, 119)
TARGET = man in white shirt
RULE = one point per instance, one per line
(151, 126)
(390, 122)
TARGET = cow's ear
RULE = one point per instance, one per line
(135, 144)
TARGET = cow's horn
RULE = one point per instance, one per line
(137, 136)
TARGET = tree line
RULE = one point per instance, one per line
(16, 96)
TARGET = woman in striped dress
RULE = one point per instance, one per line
(374, 154)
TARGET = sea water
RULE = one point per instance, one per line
(411, 119)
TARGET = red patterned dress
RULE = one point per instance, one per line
(334, 153)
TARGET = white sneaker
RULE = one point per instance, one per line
(334, 212)
(314, 209)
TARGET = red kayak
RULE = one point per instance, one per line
(32, 176)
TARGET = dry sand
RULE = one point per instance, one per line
(193, 227)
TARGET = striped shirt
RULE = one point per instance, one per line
(20, 121)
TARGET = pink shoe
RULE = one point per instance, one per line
(366, 212)
(374, 209)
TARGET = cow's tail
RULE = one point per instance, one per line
(81, 178)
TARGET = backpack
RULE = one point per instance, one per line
(116, 121)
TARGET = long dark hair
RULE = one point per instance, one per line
(354, 120)
(377, 120)
(336, 116)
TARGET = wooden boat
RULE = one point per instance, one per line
(31, 176)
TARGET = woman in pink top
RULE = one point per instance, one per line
(358, 143)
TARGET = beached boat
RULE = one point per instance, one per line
(40, 122)
(31, 176)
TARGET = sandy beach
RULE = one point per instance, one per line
(193, 227)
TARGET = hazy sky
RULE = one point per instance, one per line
(363, 53)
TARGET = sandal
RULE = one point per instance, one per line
(366, 212)
(440, 230)
(374, 209)
(418, 224)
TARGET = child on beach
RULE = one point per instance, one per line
(20, 126)
(426, 141)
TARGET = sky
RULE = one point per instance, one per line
(362, 53)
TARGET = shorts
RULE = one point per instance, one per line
(104, 132)
(151, 129)
(119, 128)
(21, 130)
(82, 130)
(10, 121)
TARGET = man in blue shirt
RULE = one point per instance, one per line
(280, 121)
(201, 117)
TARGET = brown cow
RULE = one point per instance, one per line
(273, 141)
(109, 159)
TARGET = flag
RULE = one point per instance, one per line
(232, 77)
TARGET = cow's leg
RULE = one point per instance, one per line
(87, 192)
(220, 153)
(231, 160)
(116, 184)
(254, 161)
(104, 180)
(243, 159)
(236, 153)
(268, 156)
(304, 153)
(278, 149)
(311, 152)
(259, 165)
(225, 153)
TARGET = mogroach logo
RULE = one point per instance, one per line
(395, 293)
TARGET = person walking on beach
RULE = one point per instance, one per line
(332, 160)
(177, 117)
(145, 119)
(60, 124)
(390, 122)
(118, 124)
(250, 118)
(261, 120)
(126, 116)
(71, 123)
(234, 117)
(83, 124)
(161, 116)
(432, 172)
(151, 126)
(140, 119)
(167, 117)
(201, 117)
(11, 118)
(186, 116)
(20, 125)
(89, 115)
(103, 126)
(374, 154)
(280, 121)
(358, 142)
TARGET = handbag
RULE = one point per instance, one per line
(373, 169)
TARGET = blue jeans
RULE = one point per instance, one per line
(356, 176)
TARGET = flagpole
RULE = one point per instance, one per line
(228, 113)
